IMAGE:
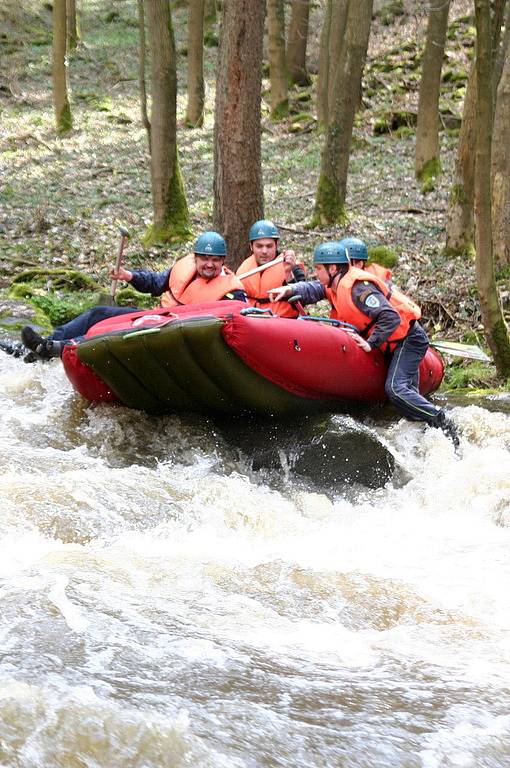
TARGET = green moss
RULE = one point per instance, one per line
(467, 376)
(428, 174)
(381, 254)
(280, 111)
(128, 297)
(62, 308)
(175, 226)
(59, 279)
(404, 130)
(65, 120)
(329, 208)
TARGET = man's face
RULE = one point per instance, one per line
(208, 266)
(323, 273)
(264, 250)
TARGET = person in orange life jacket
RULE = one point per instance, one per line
(388, 320)
(264, 237)
(201, 276)
(357, 254)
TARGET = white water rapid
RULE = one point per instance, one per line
(164, 606)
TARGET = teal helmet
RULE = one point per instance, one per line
(356, 248)
(330, 253)
(263, 228)
(210, 244)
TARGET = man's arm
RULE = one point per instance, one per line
(376, 306)
(154, 283)
(311, 291)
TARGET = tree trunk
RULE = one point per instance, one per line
(141, 71)
(61, 104)
(73, 31)
(496, 331)
(171, 219)
(210, 19)
(238, 197)
(297, 42)
(459, 226)
(195, 111)
(332, 37)
(277, 61)
(323, 71)
(332, 186)
(336, 40)
(427, 162)
(501, 167)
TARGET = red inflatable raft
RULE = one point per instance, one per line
(227, 358)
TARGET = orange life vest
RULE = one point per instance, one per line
(186, 287)
(345, 309)
(382, 272)
(257, 286)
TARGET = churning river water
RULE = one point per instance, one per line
(164, 603)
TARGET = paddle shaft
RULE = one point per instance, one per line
(124, 235)
(262, 267)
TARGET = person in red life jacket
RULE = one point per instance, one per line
(200, 276)
(387, 319)
(358, 256)
(264, 237)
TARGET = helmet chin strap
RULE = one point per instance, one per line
(339, 273)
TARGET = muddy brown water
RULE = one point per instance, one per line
(174, 595)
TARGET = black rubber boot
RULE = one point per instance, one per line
(449, 429)
(45, 349)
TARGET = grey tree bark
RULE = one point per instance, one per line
(195, 109)
(238, 196)
(171, 218)
(501, 165)
(73, 30)
(297, 42)
(332, 186)
(427, 161)
(62, 107)
(496, 331)
(142, 52)
(277, 61)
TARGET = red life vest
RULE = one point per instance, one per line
(186, 287)
(382, 272)
(345, 309)
(257, 286)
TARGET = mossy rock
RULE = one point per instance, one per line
(381, 254)
(14, 315)
(389, 122)
(128, 297)
(468, 376)
(55, 279)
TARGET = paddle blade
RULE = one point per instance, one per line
(470, 351)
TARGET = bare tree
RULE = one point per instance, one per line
(297, 42)
(501, 163)
(73, 30)
(171, 218)
(277, 61)
(195, 110)
(332, 186)
(238, 197)
(332, 37)
(142, 49)
(496, 331)
(459, 226)
(427, 162)
(63, 118)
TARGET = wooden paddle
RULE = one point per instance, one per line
(470, 351)
(124, 235)
(262, 267)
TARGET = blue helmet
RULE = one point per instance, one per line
(330, 253)
(263, 228)
(210, 244)
(356, 248)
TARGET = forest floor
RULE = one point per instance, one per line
(62, 198)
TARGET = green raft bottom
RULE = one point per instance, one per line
(187, 366)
